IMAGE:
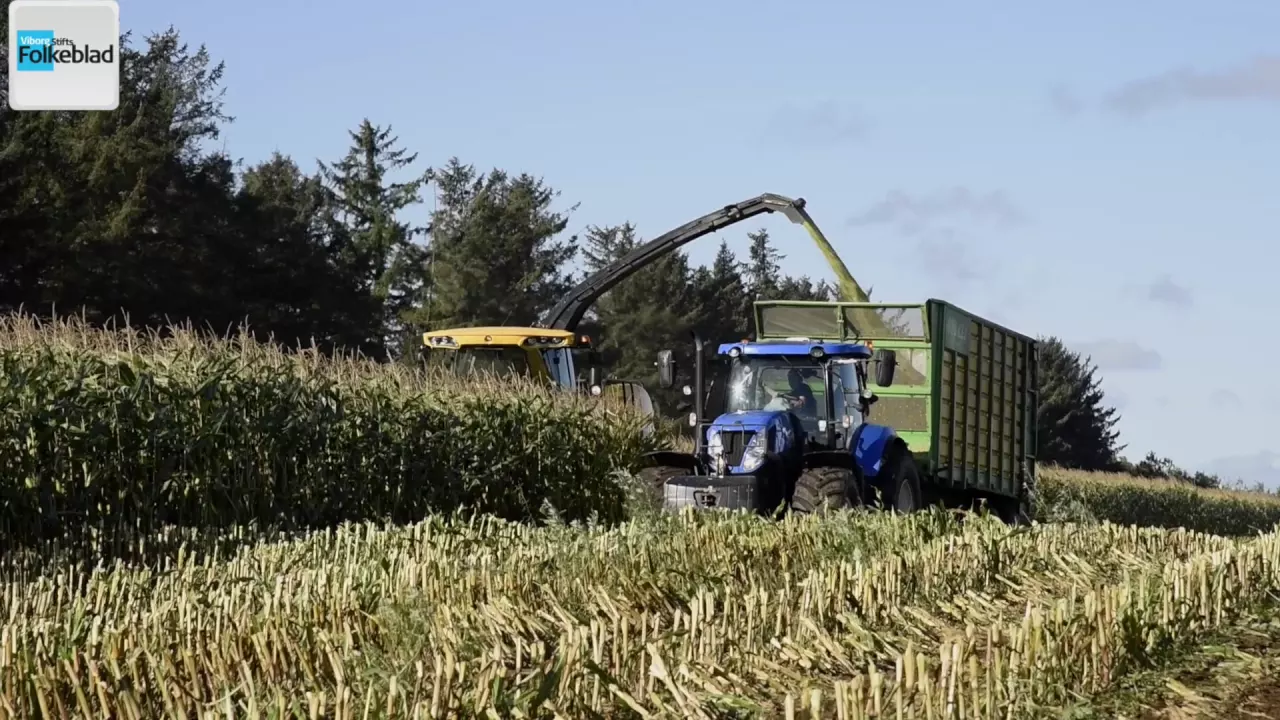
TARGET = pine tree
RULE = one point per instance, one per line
(1075, 429)
(495, 256)
(723, 300)
(380, 249)
(803, 288)
(127, 212)
(763, 269)
(652, 310)
(297, 287)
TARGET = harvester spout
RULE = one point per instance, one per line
(850, 290)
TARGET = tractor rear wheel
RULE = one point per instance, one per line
(904, 492)
(823, 488)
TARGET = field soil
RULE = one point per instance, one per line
(1233, 676)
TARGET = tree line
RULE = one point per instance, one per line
(137, 214)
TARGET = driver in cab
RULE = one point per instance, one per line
(798, 398)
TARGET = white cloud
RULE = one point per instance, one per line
(1119, 355)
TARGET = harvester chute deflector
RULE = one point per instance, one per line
(569, 311)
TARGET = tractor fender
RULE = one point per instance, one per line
(670, 458)
(872, 446)
(828, 458)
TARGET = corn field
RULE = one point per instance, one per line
(852, 616)
(116, 434)
(123, 431)
(1129, 500)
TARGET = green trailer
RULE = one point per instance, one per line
(963, 398)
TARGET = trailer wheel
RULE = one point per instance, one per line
(1026, 511)
(905, 495)
(1021, 510)
(822, 488)
(656, 477)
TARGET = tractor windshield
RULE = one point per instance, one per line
(497, 361)
(777, 382)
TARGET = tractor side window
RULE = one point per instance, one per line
(560, 364)
(837, 394)
(845, 391)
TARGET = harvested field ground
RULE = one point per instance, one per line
(713, 616)
(1232, 675)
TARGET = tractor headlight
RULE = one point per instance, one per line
(753, 457)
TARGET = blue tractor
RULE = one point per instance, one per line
(792, 430)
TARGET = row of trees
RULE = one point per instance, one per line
(135, 213)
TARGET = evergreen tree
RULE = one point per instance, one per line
(1155, 467)
(803, 288)
(127, 211)
(650, 310)
(377, 247)
(1075, 429)
(765, 278)
(298, 287)
(722, 298)
(763, 269)
(495, 256)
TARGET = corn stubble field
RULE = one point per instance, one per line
(197, 528)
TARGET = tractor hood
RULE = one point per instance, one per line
(771, 434)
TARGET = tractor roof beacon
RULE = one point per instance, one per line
(793, 430)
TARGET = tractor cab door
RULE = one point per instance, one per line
(716, 401)
(560, 368)
(634, 395)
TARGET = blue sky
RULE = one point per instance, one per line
(1103, 173)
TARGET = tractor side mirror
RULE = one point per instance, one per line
(666, 369)
(886, 364)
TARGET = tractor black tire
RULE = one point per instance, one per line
(903, 492)
(821, 489)
(656, 477)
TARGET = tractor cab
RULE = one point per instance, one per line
(822, 386)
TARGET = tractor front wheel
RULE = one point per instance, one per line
(823, 488)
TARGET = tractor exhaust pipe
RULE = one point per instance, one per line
(698, 393)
